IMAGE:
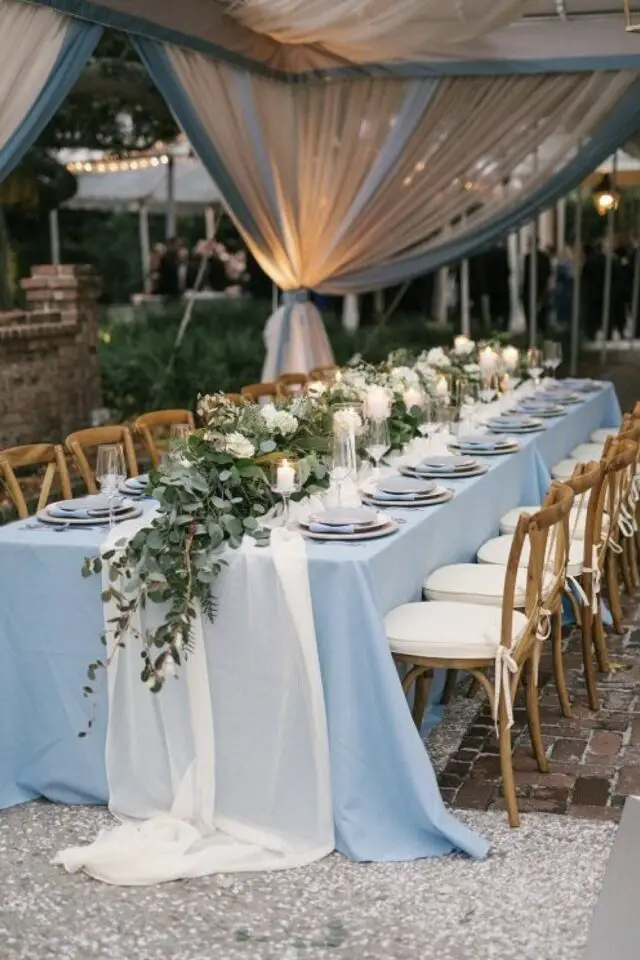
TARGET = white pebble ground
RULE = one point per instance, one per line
(532, 899)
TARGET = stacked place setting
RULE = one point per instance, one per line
(584, 385)
(347, 524)
(89, 511)
(135, 487)
(557, 394)
(484, 445)
(544, 409)
(445, 466)
(515, 423)
(405, 491)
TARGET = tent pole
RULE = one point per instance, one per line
(635, 296)
(465, 302)
(170, 229)
(608, 273)
(561, 225)
(209, 223)
(54, 237)
(145, 246)
(533, 284)
(577, 277)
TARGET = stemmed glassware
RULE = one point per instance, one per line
(377, 440)
(489, 386)
(111, 472)
(285, 481)
(428, 425)
(534, 364)
(344, 463)
(551, 355)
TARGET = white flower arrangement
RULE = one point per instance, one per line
(278, 421)
(237, 445)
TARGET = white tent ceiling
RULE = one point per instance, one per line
(127, 190)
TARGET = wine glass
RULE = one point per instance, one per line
(551, 355)
(428, 423)
(110, 473)
(469, 400)
(534, 364)
(377, 440)
(489, 386)
(285, 481)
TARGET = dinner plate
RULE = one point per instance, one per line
(96, 504)
(383, 531)
(586, 385)
(446, 461)
(441, 496)
(102, 519)
(564, 399)
(476, 471)
(345, 516)
(406, 485)
(500, 451)
(550, 412)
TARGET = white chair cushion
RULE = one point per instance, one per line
(585, 452)
(462, 631)
(564, 469)
(473, 583)
(497, 551)
(509, 521)
(603, 434)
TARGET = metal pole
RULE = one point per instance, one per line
(145, 246)
(209, 223)
(608, 273)
(465, 299)
(170, 228)
(533, 285)
(577, 278)
(561, 225)
(635, 296)
(54, 237)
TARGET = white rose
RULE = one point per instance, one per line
(270, 416)
(438, 358)
(347, 421)
(285, 423)
(316, 388)
(473, 369)
(238, 446)
(404, 377)
(463, 346)
(426, 371)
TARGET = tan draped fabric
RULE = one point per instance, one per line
(31, 38)
(307, 160)
(375, 29)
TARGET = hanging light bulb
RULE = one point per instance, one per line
(630, 26)
(605, 196)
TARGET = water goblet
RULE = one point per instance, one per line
(111, 472)
(534, 364)
(377, 440)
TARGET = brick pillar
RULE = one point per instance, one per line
(49, 372)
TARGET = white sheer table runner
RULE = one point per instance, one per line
(227, 769)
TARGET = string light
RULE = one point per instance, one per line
(113, 166)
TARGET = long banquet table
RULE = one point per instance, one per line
(385, 799)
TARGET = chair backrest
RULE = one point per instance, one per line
(291, 384)
(236, 398)
(326, 372)
(620, 464)
(148, 425)
(33, 455)
(92, 437)
(547, 533)
(254, 391)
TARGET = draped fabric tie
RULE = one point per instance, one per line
(290, 298)
(627, 523)
(543, 632)
(505, 666)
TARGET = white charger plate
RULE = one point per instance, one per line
(441, 497)
(384, 531)
(406, 485)
(344, 516)
(491, 452)
(101, 519)
(477, 471)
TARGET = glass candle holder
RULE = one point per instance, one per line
(285, 481)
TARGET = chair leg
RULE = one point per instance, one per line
(633, 559)
(533, 719)
(613, 589)
(587, 633)
(420, 697)
(506, 767)
(449, 685)
(600, 644)
(558, 665)
(625, 564)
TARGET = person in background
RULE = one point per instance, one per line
(543, 284)
(497, 283)
(168, 285)
(563, 289)
(184, 258)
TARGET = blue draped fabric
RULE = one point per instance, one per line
(77, 48)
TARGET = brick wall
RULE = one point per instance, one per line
(49, 373)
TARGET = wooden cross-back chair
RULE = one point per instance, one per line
(82, 440)
(327, 372)
(474, 637)
(236, 398)
(291, 384)
(49, 455)
(150, 425)
(621, 457)
(255, 391)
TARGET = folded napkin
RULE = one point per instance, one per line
(481, 444)
(384, 495)
(328, 528)
(61, 514)
(436, 468)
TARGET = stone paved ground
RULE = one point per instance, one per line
(594, 757)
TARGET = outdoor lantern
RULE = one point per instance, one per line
(630, 26)
(605, 196)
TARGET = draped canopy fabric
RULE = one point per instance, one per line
(42, 54)
(339, 184)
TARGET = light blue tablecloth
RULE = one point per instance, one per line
(386, 801)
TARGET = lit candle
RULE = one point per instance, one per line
(461, 344)
(412, 398)
(510, 356)
(285, 478)
(377, 404)
(488, 360)
(442, 387)
(505, 386)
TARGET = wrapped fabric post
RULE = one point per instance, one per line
(35, 85)
(295, 338)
